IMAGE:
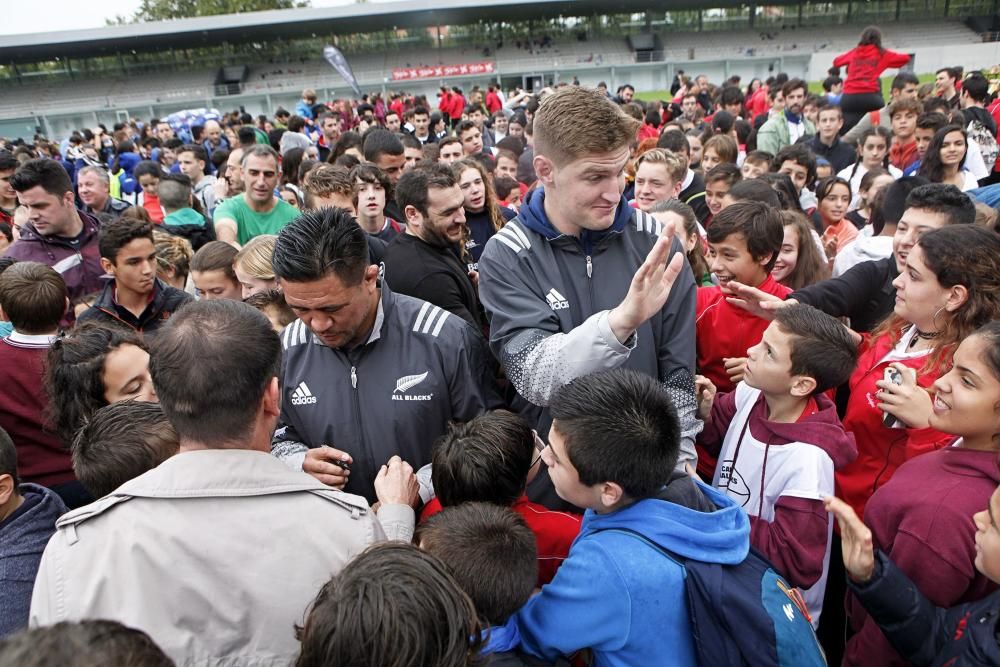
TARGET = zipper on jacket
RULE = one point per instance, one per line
(354, 377)
(590, 267)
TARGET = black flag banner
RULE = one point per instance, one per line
(338, 61)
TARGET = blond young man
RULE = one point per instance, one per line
(552, 279)
(659, 176)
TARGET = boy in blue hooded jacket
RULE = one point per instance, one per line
(612, 449)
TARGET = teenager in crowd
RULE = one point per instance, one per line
(800, 262)
(944, 161)
(865, 64)
(833, 196)
(688, 232)
(873, 152)
(483, 215)
(871, 184)
(252, 266)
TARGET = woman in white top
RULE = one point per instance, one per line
(873, 152)
(944, 161)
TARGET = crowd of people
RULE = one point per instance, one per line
(510, 379)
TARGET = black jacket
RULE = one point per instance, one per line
(419, 269)
(166, 301)
(963, 636)
(694, 196)
(840, 155)
(864, 294)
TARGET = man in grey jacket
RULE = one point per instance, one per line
(368, 374)
(216, 552)
(580, 282)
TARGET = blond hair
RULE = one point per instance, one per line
(172, 252)
(575, 121)
(675, 163)
(255, 257)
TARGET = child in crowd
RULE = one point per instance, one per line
(213, 274)
(612, 449)
(272, 304)
(491, 553)
(903, 114)
(492, 459)
(392, 605)
(833, 196)
(949, 287)
(928, 123)
(800, 262)
(922, 633)
(944, 161)
(92, 366)
(689, 233)
(755, 164)
(778, 440)
(871, 184)
(719, 149)
(799, 164)
(718, 181)
(920, 518)
(743, 245)
(508, 192)
(252, 265)
(28, 514)
(120, 442)
(873, 152)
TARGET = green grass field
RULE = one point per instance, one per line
(815, 87)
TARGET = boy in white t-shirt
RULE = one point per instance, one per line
(778, 440)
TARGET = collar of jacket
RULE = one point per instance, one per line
(216, 473)
(534, 218)
(91, 227)
(106, 302)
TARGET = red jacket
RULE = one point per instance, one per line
(648, 131)
(757, 104)
(554, 532)
(457, 106)
(493, 103)
(725, 331)
(902, 156)
(880, 449)
(864, 66)
(922, 520)
(41, 457)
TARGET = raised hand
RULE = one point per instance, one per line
(650, 287)
(396, 484)
(855, 540)
(705, 390)
(756, 302)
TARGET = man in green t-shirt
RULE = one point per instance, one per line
(257, 211)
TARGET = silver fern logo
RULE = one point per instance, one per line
(408, 382)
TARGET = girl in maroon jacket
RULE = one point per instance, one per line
(949, 288)
(865, 64)
(922, 519)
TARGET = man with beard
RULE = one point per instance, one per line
(786, 128)
(424, 261)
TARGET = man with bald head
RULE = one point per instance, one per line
(213, 137)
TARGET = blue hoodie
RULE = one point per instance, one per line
(624, 599)
(23, 536)
(533, 215)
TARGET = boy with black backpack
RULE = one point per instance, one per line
(656, 550)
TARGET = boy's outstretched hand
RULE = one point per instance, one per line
(705, 391)
(650, 287)
(396, 484)
(755, 301)
(855, 540)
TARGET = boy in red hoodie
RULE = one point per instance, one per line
(491, 459)
(779, 440)
(743, 244)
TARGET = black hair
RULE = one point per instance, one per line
(821, 347)
(49, 174)
(33, 297)
(319, 242)
(731, 95)
(889, 208)
(486, 459)
(7, 161)
(944, 199)
(290, 163)
(755, 189)
(74, 373)
(87, 643)
(8, 462)
(800, 155)
(147, 168)
(674, 141)
(205, 341)
(977, 86)
(197, 151)
(116, 234)
(871, 36)
(412, 188)
(932, 167)
(618, 426)
(788, 196)
(393, 604)
(369, 173)
(903, 79)
(380, 142)
(120, 442)
(759, 224)
(490, 551)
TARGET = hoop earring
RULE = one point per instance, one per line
(934, 319)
